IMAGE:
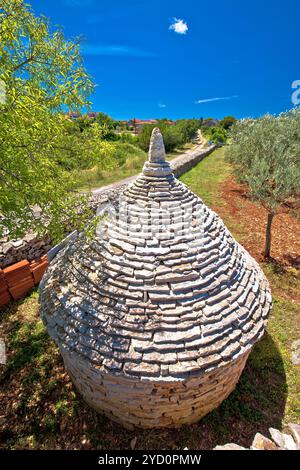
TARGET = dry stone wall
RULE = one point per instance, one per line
(160, 305)
(148, 404)
(179, 165)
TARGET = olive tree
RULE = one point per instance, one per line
(265, 153)
(43, 76)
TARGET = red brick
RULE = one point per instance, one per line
(17, 273)
(38, 272)
(21, 264)
(21, 289)
(38, 267)
(5, 298)
(4, 294)
(39, 261)
(3, 284)
(22, 277)
(19, 280)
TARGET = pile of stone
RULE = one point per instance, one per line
(156, 315)
(29, 247)
(287, 440)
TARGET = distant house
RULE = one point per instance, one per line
(211, 123)
(92, 115)
(138, 124)
(73, 116)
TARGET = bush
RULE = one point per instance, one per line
(227, 122)
(127, 137)
(174, 136)
(125, 154)
(188, 128)
(217, 135)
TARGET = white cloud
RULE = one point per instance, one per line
(209, 100)
(111, 50)
(179, 26)
(161, 105)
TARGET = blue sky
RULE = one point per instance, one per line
(219, 58)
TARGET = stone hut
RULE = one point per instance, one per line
(155, 316)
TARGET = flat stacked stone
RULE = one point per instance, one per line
(156, 315)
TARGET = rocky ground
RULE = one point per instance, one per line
(287, 440)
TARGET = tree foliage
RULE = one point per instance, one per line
(217, 135)
(44, 76)
(265, 153)
(174, 135)
(227, 122)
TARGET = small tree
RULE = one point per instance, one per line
(174, 136)
(216, 134)
(44, 76)
(266, 156)
(227, 122)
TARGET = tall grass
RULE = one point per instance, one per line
(128, 160)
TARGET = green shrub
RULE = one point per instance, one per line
(125, 152)
(217, 135)
(227, 122)
(174, 135)
(128, 137)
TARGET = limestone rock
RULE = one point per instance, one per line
(284, 441)
(157, 147)
(230, 446)
(294, 430)
(261, 442)
(296, 352)
(281, 440)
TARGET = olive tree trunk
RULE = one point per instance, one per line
(268, 234)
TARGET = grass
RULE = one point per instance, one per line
(40, 409)
(205, 177)
(95, 178)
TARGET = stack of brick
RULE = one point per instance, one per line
(4, 292)
(17, 280)
(38, 268)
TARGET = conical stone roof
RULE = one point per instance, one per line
(163, 294)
